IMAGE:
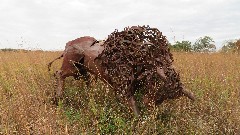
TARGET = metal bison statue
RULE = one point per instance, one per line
(133, 60)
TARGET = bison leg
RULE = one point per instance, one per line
(133, 106)
(60, 84)
(131, 99)
(68, 69)
(61, 75)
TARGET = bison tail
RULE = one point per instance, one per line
(50, 63)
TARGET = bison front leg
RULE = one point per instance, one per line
(133, 105)
(131, 99)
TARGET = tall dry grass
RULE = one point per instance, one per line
(26, 91)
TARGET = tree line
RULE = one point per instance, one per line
(202, 44)
(205, 44)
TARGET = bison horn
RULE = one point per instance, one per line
(188, 94)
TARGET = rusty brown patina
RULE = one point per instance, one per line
(135, 59)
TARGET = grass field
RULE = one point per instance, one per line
(26, 91)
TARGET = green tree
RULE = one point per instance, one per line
(231, 46)
(238, 46)
(204, 44)
(182, 46)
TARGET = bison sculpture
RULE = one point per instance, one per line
(136, 58)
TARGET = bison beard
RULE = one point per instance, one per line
(133, 60)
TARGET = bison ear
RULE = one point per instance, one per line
(188, 94)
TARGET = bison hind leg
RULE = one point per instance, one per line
(58, 93)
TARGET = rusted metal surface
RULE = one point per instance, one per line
(139, 56)
(135, 60)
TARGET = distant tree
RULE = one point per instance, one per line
(238, 46)
(13, 50)
(204, 44)
(212, 48)
(8, 50)
(182, 46)
(231, 46)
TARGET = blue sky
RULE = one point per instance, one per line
(49, 24)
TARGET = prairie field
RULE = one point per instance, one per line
(27, 89)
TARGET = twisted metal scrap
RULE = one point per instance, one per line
(131, 58)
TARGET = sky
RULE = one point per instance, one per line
(49, 24)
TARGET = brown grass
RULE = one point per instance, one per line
(26, 90)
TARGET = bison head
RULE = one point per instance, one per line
(171, 87)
